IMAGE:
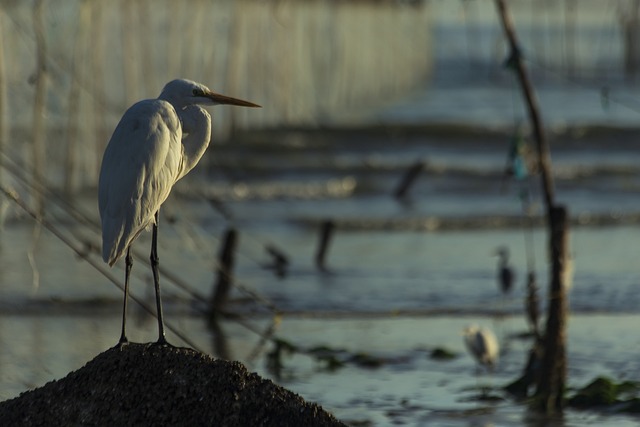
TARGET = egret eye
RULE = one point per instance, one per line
(196, 92)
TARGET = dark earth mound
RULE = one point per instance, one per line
(150, 384)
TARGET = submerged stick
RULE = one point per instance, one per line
(226, 261)
(408, 179)
(515, 61)
(280, 261)
(326, 231)
(553, 370)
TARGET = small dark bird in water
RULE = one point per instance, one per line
(506, 275)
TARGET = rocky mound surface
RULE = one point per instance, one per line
(150, 384)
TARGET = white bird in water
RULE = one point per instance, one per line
(482, 344)
(157, 142)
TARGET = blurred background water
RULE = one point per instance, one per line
(354, 94)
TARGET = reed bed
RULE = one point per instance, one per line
(72, 67)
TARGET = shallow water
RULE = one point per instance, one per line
(367, 271)
(396, 295)
(394, 288)
(410, 388)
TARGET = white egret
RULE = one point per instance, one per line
(482, 344)
(157, 142)
(506, 275)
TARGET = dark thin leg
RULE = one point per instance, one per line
(156, 280)
(128, 263)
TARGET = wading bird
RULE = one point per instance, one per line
(157, 142)
(482, 344)
(506, 275)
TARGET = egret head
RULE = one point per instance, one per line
(502, 252)
(183, 92)
(470, 330)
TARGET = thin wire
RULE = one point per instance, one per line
(11, 194)
(234, 280)
(53, 63)
(82, 217)
(525, 185)
(266, 336)
(78, 215)
(228, 216)
(630, 103)
(15, 169)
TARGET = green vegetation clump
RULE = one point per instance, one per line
(332, 359)
(366, 360)
(440, 353)
(605, 392)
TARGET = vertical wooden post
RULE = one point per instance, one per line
(552, 374)
(631, 30)
(553, 371)
(326, 231)
(226, 261)
(570, 13)
(532, 304)
(515, 61)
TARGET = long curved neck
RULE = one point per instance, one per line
(504, 260)
(196, 134)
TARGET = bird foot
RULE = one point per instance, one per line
(162, 341)
(122, 343)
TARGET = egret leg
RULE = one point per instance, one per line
(156, 280)
(128, 263)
